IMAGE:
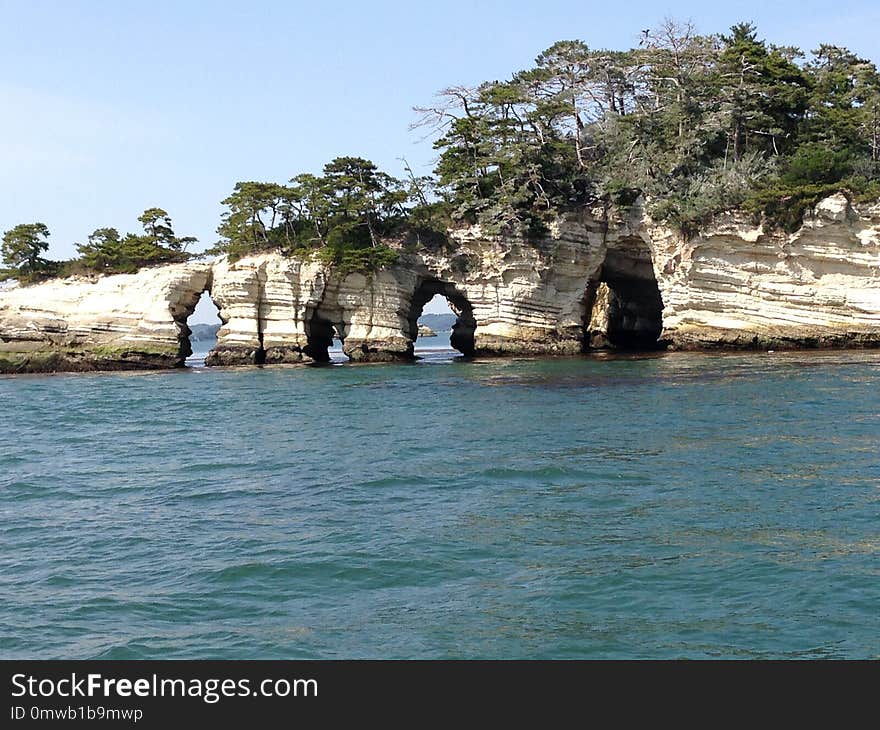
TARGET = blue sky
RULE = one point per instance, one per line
(111, 107)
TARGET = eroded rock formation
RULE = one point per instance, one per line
(596, 281)
(128, 321)
(737, 286)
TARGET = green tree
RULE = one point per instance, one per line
(109, 252)
(23, 248)
(836, 75)
(509, 155)
(249, 223)
(160, 231)
(360, 196)
(104, 251)
(352, 206)
(763, 94)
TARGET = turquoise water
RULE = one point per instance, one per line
(670, 506)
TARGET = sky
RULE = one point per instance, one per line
(112, 107)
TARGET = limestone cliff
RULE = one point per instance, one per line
(264, 303)
(739, 286)
(287, 310)
(596, 281)
(128, 321)
(518, 296)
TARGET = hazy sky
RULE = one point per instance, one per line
(111, 107)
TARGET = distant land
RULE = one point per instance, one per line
(203, 332)
(438, 322)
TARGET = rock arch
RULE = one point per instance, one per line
(321, 329)
(465, 326)
(200, 330)
(183, 305)
(623, 305)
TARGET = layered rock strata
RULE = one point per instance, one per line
(738, 286)
(122, 322)
(595, 281)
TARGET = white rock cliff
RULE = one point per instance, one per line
(737, 286)
(594, 281)
(127, 321)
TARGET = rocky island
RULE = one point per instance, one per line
(592, 283)
(696, 192)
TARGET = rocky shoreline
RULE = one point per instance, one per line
(597, 281)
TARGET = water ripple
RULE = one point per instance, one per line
(669, 506)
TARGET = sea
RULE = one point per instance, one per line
(660, 506)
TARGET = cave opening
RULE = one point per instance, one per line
(435, 325)
(433, 292)
(198, 331)
(624, 308)
(325, 339)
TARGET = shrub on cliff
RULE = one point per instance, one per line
(363, 260)
(813, 172)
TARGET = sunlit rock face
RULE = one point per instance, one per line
(277, 309)
(127, 321)
(588, 283)
(512, 296)
(265, 303)
(738, 286)
(595, 281)
(524, 296)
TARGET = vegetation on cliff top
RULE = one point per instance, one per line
(105, 252)
(347, 215)
(696, 124)
(22, 249)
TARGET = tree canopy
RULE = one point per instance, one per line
(693, 124)
(107, 251)
(22, 249)
(346, 214)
